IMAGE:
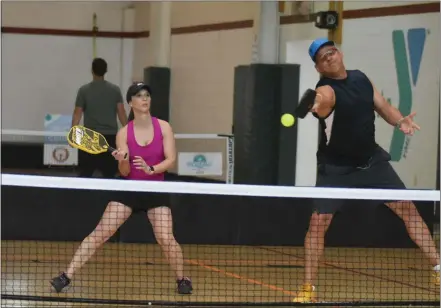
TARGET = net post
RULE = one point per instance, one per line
(230, 157)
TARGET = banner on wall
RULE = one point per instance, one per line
(198, 164)
(57, 152)
(400, 55)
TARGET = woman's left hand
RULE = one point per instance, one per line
(140, 164)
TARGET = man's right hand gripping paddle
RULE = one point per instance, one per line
(306, 104)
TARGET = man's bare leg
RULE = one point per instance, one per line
(418, 232)
(314, 247)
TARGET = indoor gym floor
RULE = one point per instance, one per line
(219, 274)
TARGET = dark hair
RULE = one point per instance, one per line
(131, 115)
(132, 91)
(99, 67)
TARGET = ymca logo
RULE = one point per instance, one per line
(407, 65)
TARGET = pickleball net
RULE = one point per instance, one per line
(242, 245)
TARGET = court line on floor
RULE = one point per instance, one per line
(350, 270)
(211, 268)
(160, 261)
(240, 277)
(137, 260)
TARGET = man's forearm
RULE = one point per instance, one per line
(391, 115)
(123, 119)
(76, 119)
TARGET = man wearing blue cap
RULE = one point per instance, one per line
(348, 155)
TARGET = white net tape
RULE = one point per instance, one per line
(222, 189)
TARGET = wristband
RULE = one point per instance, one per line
(399, 122)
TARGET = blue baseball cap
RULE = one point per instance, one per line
(317, 44)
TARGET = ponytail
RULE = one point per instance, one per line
(131, 115)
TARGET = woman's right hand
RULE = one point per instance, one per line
(120, 155)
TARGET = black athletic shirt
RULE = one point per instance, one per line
(347, 135)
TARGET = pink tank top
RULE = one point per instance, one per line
(153, 153)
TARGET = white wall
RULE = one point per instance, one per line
(370, 49)
(359, 5)
(190, 13)
(64, 14)
(52, 68)
(202, 67)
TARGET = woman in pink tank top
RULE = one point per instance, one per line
(146, 150)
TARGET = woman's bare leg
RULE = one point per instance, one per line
(113, 217)
(162, 222)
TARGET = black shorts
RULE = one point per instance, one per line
(378, 173)
(141, 201)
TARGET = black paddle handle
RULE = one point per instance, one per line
(110, 149)
(305, 104)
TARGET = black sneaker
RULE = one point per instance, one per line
(184, 286)
(60, 282)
